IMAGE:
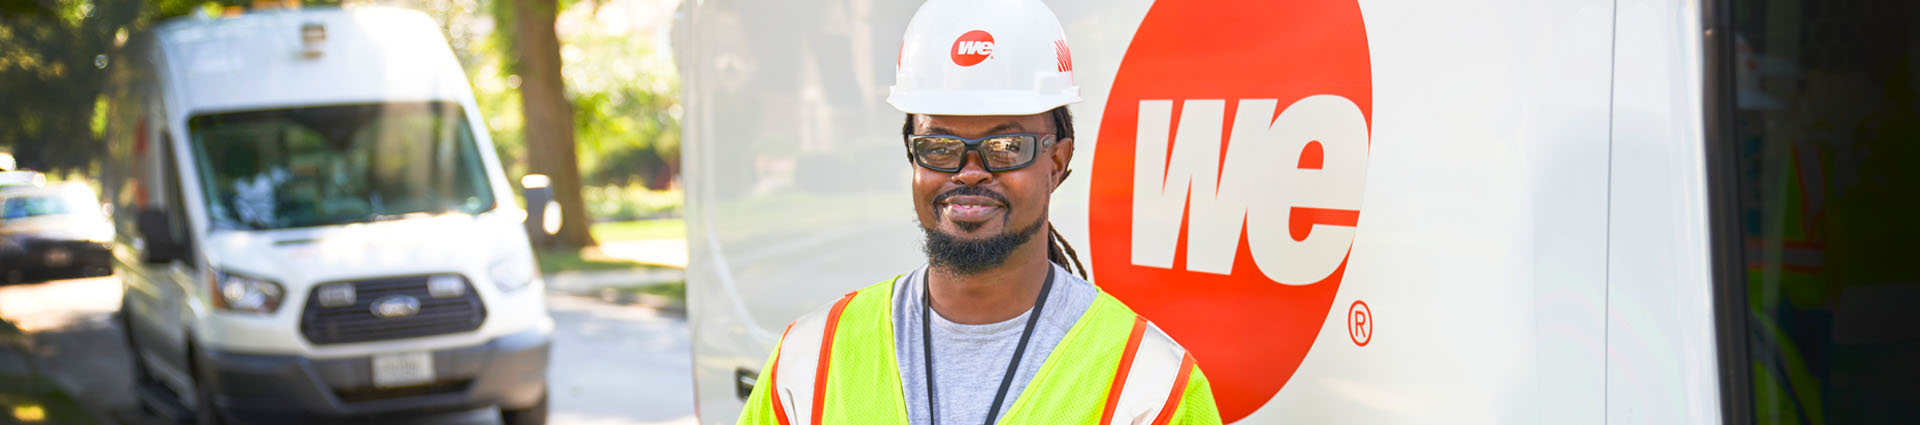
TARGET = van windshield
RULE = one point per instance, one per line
(319, 166)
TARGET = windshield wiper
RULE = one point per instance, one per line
(395, 217)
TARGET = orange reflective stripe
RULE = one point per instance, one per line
(1126, 366)
(773, 383)
(1179, 389)
(826, 357)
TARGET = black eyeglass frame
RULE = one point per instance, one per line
(1040, 143)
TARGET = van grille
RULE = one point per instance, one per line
(356, 323)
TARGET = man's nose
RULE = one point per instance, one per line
(973, 170)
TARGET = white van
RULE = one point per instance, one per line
(1553, 212)
(313, 225)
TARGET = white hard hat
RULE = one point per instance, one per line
(983, 57)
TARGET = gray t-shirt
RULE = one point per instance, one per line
(970, 360)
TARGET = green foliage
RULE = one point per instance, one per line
(53, 60)
(624, 89)
(626, 107)
(640, 230)
(675, 291)
(632, 202)
(54, 55)
(502, 41)
(98, 126)
(558, 260)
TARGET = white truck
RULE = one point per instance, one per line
(313, 224)
(1564, 212)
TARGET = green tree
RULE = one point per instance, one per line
(549, 125)
(53, 60)
(626, 107)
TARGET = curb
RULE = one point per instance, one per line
(664, 304)
(589, 281)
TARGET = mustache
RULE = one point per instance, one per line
(971, 191)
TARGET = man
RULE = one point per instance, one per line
(995, 329)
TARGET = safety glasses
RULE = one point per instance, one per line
(1001, 152)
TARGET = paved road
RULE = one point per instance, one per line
(66, 334)
(611, 364)
(619, 365)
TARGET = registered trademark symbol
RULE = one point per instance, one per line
(1360, 323)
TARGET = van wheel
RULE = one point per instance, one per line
(141, 378)
(205, 412)
(533, 415)
(139, 370)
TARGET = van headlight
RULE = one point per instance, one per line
(512, 273)
(245, 294)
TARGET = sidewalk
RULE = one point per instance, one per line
(659, 252)
(590, 282)
(615, 286)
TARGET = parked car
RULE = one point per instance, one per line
(53, 231)
(13, 178)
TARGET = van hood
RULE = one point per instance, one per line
(454, 243)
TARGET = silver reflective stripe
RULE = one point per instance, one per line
(799, 358)
(1156, 365)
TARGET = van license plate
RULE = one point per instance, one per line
(59, 257)
(402, 369)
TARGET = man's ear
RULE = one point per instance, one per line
(1062, 157)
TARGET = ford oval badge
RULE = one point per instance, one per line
(396, 306)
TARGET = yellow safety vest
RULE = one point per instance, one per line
(1113, 367)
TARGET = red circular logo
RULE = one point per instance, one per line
(1360, 323)
(972, 47)
(1226, 190)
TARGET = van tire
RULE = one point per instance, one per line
(532, 415)
(205, 412)
(141, 378)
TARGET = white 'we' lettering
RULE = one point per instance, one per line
(1259, 183)
(975, 48)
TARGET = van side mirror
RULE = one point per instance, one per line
(161, 245)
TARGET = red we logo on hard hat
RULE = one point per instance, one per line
(1228, 178)
(972, 48)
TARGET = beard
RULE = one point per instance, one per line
(964, 257)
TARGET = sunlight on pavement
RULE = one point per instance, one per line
(58, 304)
(618, 365)
(662, 252)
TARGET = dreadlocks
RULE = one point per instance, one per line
(1060, 253)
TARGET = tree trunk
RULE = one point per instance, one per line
(549, 117)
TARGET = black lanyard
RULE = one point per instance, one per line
(1013, 367)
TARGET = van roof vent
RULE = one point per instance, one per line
(313, 36)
